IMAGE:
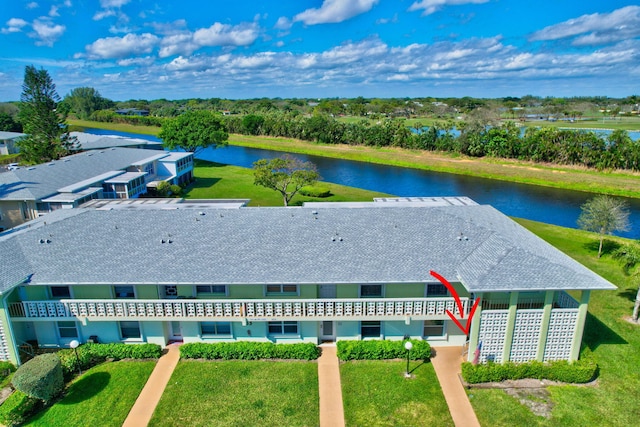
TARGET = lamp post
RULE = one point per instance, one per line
(74, 345)
(408, 345)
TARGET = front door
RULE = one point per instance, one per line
(327, 330)
(175, 334)
(327, 291)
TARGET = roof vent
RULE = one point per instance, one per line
(31, 168)
(314, 212)
(201, 213)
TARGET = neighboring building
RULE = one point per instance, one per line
(8, 142)
(160, 271)
(28, 192)
(132, 112)
(89, 141)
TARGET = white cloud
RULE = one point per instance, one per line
(101, 14)
(53, 11)
(178, 44)
(113, 3)
(283, 23)
(111, 8)
(121, 47)
(14, 25)
(595, 29)
(32, 5)
(46, 32)
(226, 35)
(334, 11)
(432, 6)
(134, 62)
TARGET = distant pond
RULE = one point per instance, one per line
(549, 205)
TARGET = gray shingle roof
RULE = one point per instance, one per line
(40, 181)
(379, 244)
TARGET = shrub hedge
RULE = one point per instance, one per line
(91, 354)
(382, 349)
(6, 368)
(41, 377)
(313, 191)
(17, 408)
(244, 350)
(580, 371)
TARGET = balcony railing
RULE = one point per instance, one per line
(561, 300)
(248, 310)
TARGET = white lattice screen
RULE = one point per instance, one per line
(4, 348)
(526, 334)
(493, 327)
(562, 327)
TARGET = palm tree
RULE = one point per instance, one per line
(630, 257)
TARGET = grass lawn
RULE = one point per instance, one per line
(217, 181)
(609, 339)
(240, 393)
(102, 396)
(376, 394)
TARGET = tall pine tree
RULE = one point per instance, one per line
(43, 122)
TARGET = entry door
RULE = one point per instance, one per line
(327, 330)
(176, 331)
(327, 291)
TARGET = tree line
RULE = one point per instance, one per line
(543, 145)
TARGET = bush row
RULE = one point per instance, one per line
(580, 371)
(249, 351)
(382, 349)
(91, 354)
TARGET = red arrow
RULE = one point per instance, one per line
(455, 295)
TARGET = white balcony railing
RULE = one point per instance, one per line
(249, 310)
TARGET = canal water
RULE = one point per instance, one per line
(549, 205)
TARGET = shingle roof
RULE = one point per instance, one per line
(40, 181)
(476, 245)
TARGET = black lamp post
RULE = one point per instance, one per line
(408, 345)
(74, 345)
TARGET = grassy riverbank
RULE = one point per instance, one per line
(566, 177)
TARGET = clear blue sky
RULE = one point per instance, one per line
(145, 49)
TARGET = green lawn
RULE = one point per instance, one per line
(376, 394)
(217, 181)
(102, 396)
(609, 339)
(240, 393)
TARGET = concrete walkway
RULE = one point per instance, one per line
(446, 362)
(329, 387)
(142, 410)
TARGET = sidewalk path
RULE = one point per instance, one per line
(447, 363)
(330, 389)
(142, 410)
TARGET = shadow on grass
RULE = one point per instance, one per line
(596, 333)
(420, 364)
(207, 163)
(629, 294)
(86, 387)
(608, 246)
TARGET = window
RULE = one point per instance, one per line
(437, 290)
(433, 328)
(282, 289)
(215, 328)
(211, 289)
(129, 330)
(283, 328)
(60, 292)
(68, 329)
(370, 329)
(124, 292)
(370, 291)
